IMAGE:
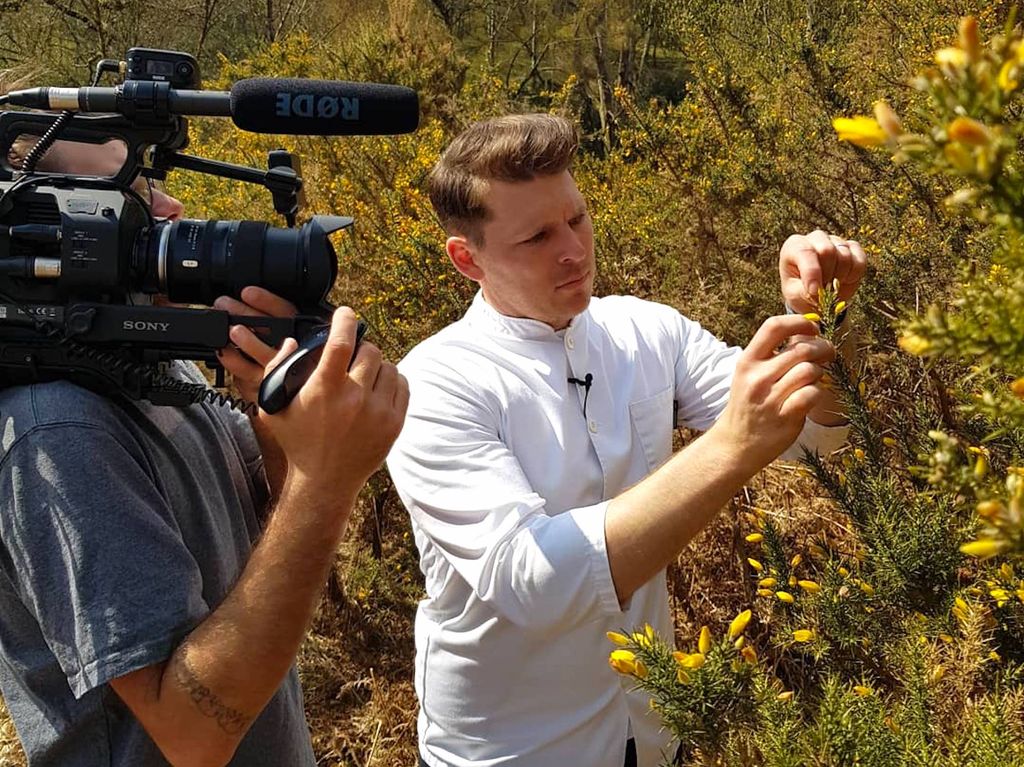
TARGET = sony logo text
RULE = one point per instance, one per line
(141, 325)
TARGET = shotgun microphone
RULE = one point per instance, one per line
(257, 104)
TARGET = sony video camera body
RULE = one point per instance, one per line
(79, 254)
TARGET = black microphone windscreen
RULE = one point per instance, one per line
(323, 107)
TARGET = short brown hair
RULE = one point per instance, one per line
(509, 148)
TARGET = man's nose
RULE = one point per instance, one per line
(573, 248)
(165, 206)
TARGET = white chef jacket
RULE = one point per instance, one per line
(506, 482)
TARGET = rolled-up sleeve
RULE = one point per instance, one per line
(468, 495)
(704, 368)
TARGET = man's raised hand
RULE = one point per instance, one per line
(775, 386)
(810, 262)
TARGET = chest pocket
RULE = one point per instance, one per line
(653, 420)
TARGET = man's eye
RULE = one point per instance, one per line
(577, 220)
(537, 237)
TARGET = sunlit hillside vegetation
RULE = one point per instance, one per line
(708, 139)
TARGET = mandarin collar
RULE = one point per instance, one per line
(486, 318)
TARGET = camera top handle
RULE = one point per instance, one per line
(166, 138)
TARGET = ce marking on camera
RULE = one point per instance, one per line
(8, 311)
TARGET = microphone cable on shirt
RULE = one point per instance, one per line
(585, 382)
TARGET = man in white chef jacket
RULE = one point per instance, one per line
(536, 459)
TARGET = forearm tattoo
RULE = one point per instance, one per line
(227, 718)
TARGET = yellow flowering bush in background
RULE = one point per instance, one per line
(894, 636)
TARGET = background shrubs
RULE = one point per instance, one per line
(708, 140)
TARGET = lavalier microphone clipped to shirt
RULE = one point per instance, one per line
(585, 382)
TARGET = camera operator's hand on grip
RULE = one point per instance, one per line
(281, 385)
(248, 356)
(775, 386)
(342, 422)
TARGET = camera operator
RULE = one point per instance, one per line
(151, 606)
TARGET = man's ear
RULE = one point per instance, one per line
(463, 257)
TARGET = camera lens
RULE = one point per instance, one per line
(192, 261)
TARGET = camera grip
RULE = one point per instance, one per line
(281, 385)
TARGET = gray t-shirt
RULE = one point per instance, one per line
(122, 525)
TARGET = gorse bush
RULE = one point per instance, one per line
(894, 636)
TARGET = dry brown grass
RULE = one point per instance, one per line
(357, 662)
(11, 754)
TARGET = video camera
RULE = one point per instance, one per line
(77, 251)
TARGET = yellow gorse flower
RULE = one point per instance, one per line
(739, 624)
(953, 57)
(691, 662)
(1008, 76)
(969, 131)
(968, 37)
(704, 640)
(623, 661)
(983, 548)
(784, 696)
(989, 509)
(862, 691)
(785, 596)
(914, 344)
(860, 130)
(767, 583)
(755, 564)
(961, 159)
(803, 635)
(620, 639)
(809, 586)
(981, 467)
(754, 538)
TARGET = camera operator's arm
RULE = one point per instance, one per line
(198, 705)
(247, 360)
